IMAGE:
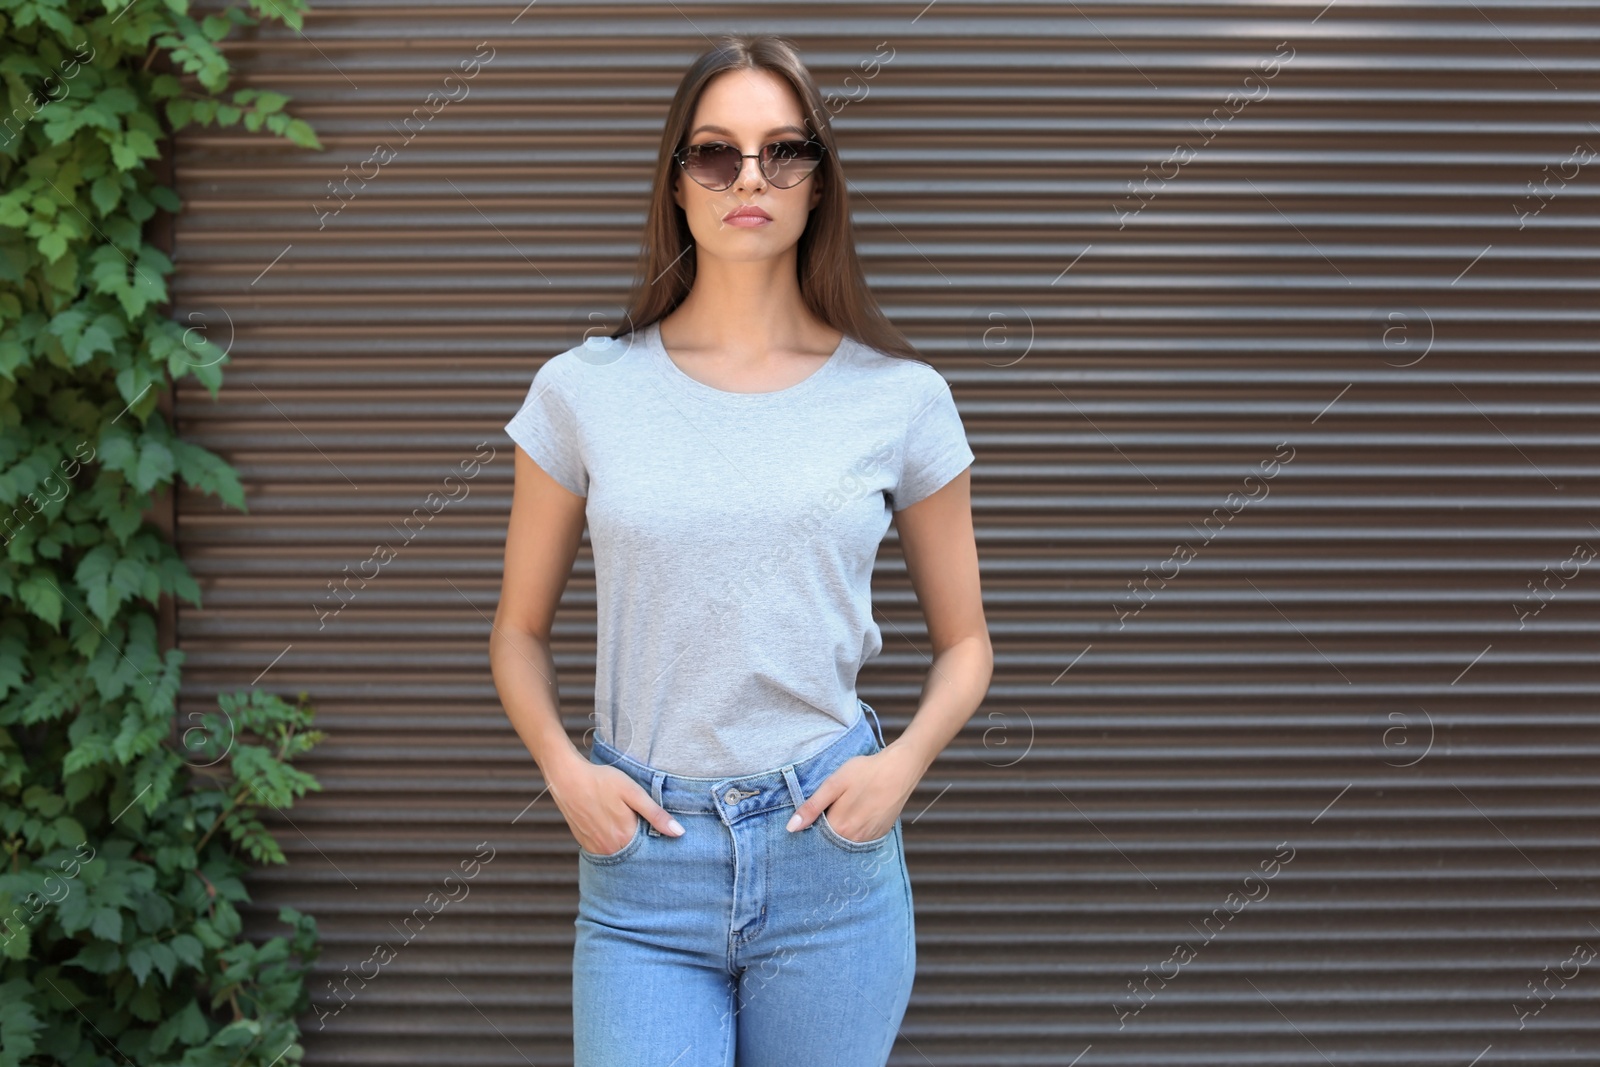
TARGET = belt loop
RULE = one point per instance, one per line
(868, 707)
(655, 794)
(795, 792)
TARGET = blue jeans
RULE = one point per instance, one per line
(741, 942)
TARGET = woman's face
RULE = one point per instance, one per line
(747, 109)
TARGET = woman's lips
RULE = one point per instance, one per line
(747, 217)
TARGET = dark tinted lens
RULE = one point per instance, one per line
(785, 163)
(714, 164)
(789, 162)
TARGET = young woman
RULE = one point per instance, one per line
(738, 453)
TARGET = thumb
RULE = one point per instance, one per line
(655, 814)
(807, 813)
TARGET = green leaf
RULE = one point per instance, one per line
(133, 148)
(53, 245)
(302, 134)
(188, 1025)
(117, 100)
(216, 27)
(74, 914)
(12, 356)
(188, 949)
(139, 961)
(136, 285)
(94, 578)
(293, 17)
(42, 597)
(14, 947)
(106, 193)
(156, 464)
(154, 912)
(69, 831)
(135, 385)
(107, 924)
(180, 113)
(176, 579)
(165, 960)
(94, 340)
(146, 1003)
(209, 473)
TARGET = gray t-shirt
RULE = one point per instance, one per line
(734, 536)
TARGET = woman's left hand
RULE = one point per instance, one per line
(863, 797)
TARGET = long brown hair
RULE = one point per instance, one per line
(832, 282)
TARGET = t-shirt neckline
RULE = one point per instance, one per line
(695, 387)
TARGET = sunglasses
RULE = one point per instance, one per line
(716, 164)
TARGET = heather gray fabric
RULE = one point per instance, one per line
(734, 536)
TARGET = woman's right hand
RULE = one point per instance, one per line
(599, 804)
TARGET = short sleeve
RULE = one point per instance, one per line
(935, 448)
(546, 428)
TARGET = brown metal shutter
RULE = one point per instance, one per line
(1329, 795)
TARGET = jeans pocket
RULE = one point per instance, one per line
(622, 853)
(846, 843)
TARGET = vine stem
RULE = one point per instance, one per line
(229, 810)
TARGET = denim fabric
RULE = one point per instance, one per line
(740, 942)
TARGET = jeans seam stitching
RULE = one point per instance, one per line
(849, 845)
(604, 858)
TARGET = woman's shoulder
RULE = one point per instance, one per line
(916, 376)
(594, 362)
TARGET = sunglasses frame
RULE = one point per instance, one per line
(761, 158)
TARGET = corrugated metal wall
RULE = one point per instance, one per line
(1273, 326)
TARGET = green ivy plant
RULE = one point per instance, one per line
(126, 834)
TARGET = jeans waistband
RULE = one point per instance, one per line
(737, 796)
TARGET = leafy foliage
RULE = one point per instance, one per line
(126, 834)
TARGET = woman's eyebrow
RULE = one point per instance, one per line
(706, 128)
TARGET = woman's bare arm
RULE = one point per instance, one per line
(542, 539)
(941, 554)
